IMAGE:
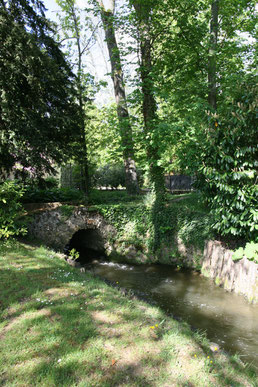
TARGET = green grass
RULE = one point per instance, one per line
(60, 327)
(98, 196)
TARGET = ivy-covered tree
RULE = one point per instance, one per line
(144, 15)
(38, 115)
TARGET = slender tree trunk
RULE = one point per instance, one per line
(84, 157)
(149, 107)
(119, 90)
(212, 78)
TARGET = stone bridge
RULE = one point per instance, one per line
(64, 227)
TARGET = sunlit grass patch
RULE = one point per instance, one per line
(60, 327)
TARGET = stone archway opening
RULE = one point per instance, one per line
(89, 244)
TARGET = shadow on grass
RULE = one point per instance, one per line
(59, 326)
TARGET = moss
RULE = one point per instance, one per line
(226, 284)
(197, 261)
(205, 272)
(66, 210)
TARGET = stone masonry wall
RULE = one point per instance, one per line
(238, 276)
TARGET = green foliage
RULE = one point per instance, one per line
(10, 210)
(37, 195)
(66, 210)
(103, 136)
(109, 176)
(193, 220)
(73, 254)
(72, 176)
(41, 183)
(250, 252)
(38, 113)
(149, 199)
(50, 182)
(229, 169)
(187, 218)
(131, 221)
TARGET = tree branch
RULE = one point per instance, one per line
(68, 38)
(89, 40)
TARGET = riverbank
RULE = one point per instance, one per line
(62, 327)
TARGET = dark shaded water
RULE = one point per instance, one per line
(226, 317)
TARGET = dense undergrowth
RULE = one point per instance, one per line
(184, 216)
(60, 327)
(53, 194)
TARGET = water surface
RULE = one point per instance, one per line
(226, 317)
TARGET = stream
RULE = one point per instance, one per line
(226, 317)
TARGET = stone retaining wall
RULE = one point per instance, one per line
(238, 276)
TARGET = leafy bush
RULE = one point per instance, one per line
(250, 252)
(49, 183)
(10, 210)
(37, 195)
(131, 220)
(228, 177)
(111, 176)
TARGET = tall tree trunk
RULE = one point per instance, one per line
(212, 78)
(149, 107)
(119, 90)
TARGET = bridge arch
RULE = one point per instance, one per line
(89, 243)
(82, 228)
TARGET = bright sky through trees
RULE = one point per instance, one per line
(97, 58)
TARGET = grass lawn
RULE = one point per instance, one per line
(60, 327)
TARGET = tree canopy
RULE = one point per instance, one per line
(38, 115)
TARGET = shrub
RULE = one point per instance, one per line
(49, 182)
(10, 210)
(110, 176)
(37, 195)
(250, 252)
(228, 177)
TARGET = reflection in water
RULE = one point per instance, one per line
(226, 317)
